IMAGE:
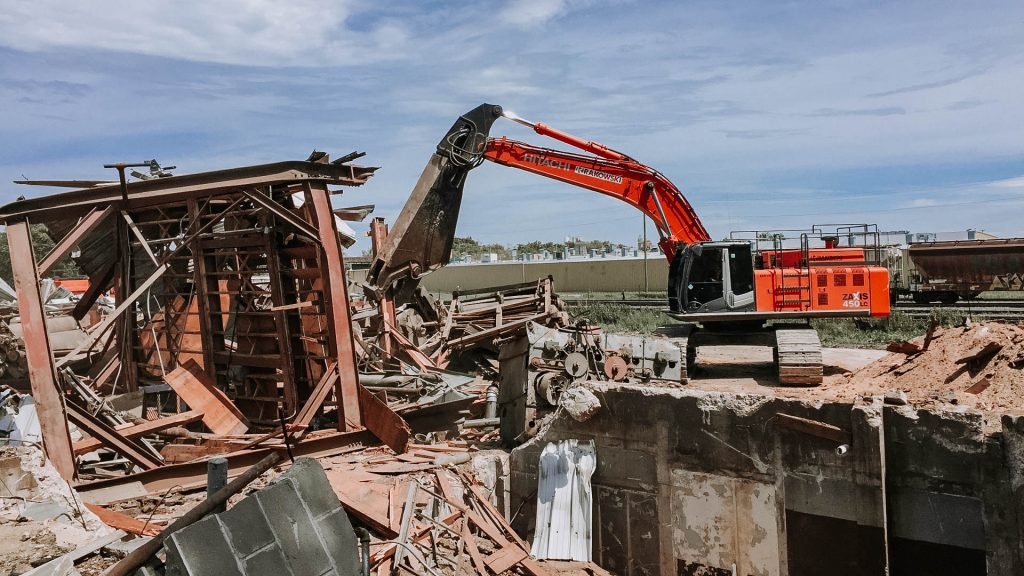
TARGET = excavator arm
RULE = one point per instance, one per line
(614, 175)
(422, 236)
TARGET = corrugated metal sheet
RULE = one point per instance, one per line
(565, 501)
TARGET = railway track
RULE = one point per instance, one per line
(981, 309)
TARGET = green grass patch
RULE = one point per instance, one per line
(834, 332)
(618, 318)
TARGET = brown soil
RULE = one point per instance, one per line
(933, 377)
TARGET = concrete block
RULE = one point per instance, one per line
(340, 542)
(310, 481)
(246, 527)
(269, 561)
(202, 549)
(293, 528)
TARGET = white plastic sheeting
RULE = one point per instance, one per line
(565, 501)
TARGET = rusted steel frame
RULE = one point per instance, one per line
(138, 430)
(421, 360)
(123, 291)
(42, 373)
(380, 419)
(158, 191)
(279, 211)
(316, 399)
(138, 235)
(193, 474)
(97, 285)
(199, 273)
(386, 304)
(495, 331)
(332, 270)
(284, 338)
(113, 439)
(116, 314)
(72, 238)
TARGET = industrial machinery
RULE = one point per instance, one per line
(730, 292)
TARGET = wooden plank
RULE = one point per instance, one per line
(89, 444)
(378, 418)
(121, 521)
(980, 353)
(42, 373)
(474, 550)
(196, 388)
(506, 558)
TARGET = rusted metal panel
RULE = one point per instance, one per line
(198, 391)
(178, 188)
(42, 372)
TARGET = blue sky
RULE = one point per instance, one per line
(766, 114)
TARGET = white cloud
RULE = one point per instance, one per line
(529, 13)
(248, 32)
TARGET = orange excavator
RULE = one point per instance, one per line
(729, 292)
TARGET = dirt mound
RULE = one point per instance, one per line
(980, 366)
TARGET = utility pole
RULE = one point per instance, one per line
(647, 287)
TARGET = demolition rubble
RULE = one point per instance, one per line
(227, 397)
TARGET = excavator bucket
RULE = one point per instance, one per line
(421, 238)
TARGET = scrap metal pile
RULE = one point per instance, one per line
(233, 334)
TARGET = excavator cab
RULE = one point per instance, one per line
(715, 277)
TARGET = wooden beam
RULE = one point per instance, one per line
(339, 313)
(42, 373)
(317, 397)
(72, 238)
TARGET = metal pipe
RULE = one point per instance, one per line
(364, 550)
(414, 390)
(481, 423)
(491, 410)
(384, 379)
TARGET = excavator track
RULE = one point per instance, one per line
(798, 356)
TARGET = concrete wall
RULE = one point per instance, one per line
(702, 483)
(593, 275)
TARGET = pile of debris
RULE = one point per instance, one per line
(977, 366)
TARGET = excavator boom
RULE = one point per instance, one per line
(625, 179)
